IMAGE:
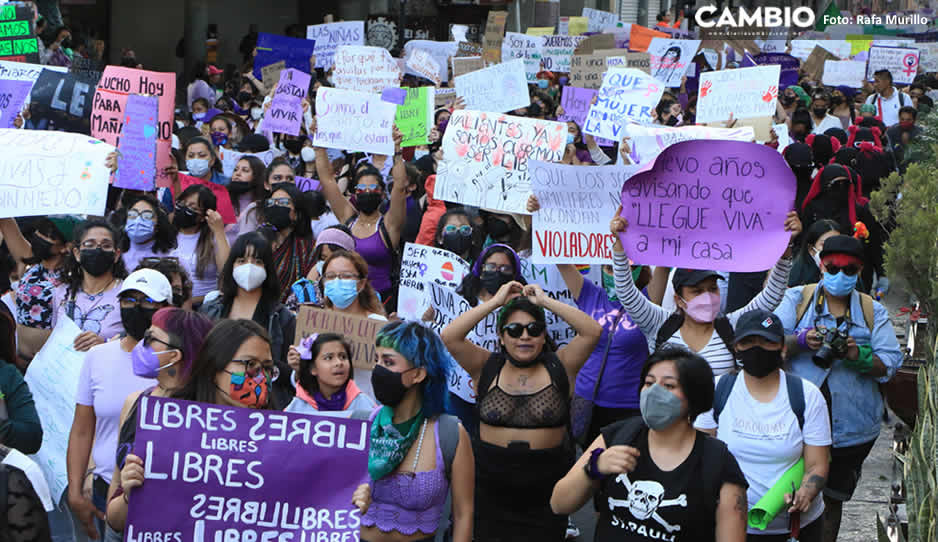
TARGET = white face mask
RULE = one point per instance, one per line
(817, 259)
(308, 154)
(249, 276)
(418, 154)
(180, 124)
(256, 113)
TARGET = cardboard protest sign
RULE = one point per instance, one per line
(415, 118)
(744, 92)
(710, 205)
(540, 30)
(51, 173)
(647, 142)
(443, 97)
(61, 102)
(638, 61)
(627, 95)
(572, 225)
(844, 72)
(330, 36)
(217, 472)
(18, 42)
(110, 100)
(52, 378)
(466, 48)
(424, 64)
(556, 52)
(586, 71)
(494, 33)
(229, 158)
(486, 158)
(502, 87)
(524, 47)
(813, 67)
(671, 58)
(365, 69)
(788, 67)
(359, 331)
(596, 20)
(272, 48)
(466, 64)
(902, 62)
(640, 37)
(271, 73)
(421, 264)
(354, 121)
(136, 165)
(13, 95)
(802, 48)
(286, 107)
(441, 51)
(594, 42)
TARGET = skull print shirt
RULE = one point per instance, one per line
(671, 506)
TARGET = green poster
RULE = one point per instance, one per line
(415, 118)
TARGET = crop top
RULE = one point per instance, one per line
(545, 408)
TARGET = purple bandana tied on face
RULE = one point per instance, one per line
(331, 405)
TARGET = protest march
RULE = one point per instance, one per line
(601, 274)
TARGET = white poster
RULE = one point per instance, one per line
(744, 92)
(647, 142)
(524, 47)
(626, 95)
(365, 69)
(844, 72)
(556, 52)
(502, 88)
(424, 64)
(354, 121)
(330, 36)
(421, 264)
(671, 58)
(597, 20)
(439, 50)
(902, 63)
(229, 158)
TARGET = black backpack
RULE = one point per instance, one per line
(794, 384)
(675, 321)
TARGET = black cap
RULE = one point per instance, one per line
(843, 244)
(253, 143)
(690, 277)
(762, 323)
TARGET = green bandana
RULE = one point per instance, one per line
(388, 444)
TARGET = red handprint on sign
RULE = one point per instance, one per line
(770, 94)
(705, 88)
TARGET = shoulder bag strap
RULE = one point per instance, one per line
(602, 366)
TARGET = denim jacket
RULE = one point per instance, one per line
(857, 405)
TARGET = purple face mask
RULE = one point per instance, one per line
(704, 308)
(441, 126)
(146, 361)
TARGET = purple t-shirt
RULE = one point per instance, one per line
(98, 313)
(137, 252)
(629, 350)
(107, 378)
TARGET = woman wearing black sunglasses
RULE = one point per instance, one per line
(524, 409)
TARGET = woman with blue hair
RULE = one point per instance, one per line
(418, 454)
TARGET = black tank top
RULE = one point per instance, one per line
(548, 407)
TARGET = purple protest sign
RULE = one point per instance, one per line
(575, 102)
(217, 473)
(136, 165)
(12, 97)
(788, 76)
(286, 110)
(307, 185)
(710, 205)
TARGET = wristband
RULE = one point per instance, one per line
(864, 361)
(592, 466)
(803, 338)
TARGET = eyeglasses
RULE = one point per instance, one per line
(374, 187)
(134, 214)
(91, 244)
(253, 367)
(465, 229)
(344, 276)
(279, 202)
(149, 339)
(849, 270)
(504, 269)
(129, 302)
(515, 330)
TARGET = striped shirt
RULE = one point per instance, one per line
(650, 317)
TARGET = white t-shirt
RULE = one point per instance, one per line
(766, 440)
(889, 107)
(828, 122)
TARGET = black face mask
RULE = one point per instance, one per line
(837, 190)
(278, 217)
(493, 280)
(244, 97)
(786, 100)
(534, 110)
(456, 242)
(184, 217)
(837, 100)
(758, 361)
(368, 202)
(672, 121)
(388, 386)
(42, 249)
(237, 188)
(137, 320)
(820, 111)
(96, 261)
(294, 146)
(497, 228)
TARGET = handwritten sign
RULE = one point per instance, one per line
(229, 158)
(13, 95)
(136, 166)
(813, 67)
(50, 173)
(586, 71)
(744, 92)
(271, 48)
(572, 225)
(494, 34)
(421, 264)
(647, 142)
(710, 205)
(802, 48)
(902, 62)
(486, 158)
(219, 473)
(52, 378)
(574, 26)
(415, 118)
(844, 72)
(596, 20)
(788, 67)
(441, 51)
(304, 184)
(467, 48)
(670, 59)
(620, 59)
(365, 69)
(286, 110)
(422, 62)
(527, 48)
(447, 305)
(359, 331)
(627, 95)
(18, 40)
(540, 30)
(354, 121)
(110, 101)
(466, 64)
(22, 71)
(575, 103)
(331, 36)
(556, 52)
(271, 73)
(928, 56)
(501, 88)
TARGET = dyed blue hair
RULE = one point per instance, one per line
(422, 347)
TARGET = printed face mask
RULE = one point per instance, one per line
(219, 138)
(659, 407)
(250, 391)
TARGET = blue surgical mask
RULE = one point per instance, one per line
(418, 154)
(542, 83)
(140, 230)
(197, 167)
(342, 292)
(198, 116)
(571, 139)
(840, 284)
(319, 266)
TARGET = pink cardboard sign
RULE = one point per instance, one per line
(710, 205)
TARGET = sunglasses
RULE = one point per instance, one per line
(515, 330)
(465, 229)
(849, 270)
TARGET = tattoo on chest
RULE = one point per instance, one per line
(523, 380)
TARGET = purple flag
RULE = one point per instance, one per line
(136, 166)
(710, 205)
(222, 473)
(12, 97)
(286, 110)
(307, 185)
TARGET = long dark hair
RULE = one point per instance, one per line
(257, 179)
(205, 248)
(164, 237)
(458, 211)
(219, 348)
(302, 227)
(309, 382)
(814, 233)
(72, 273)
(216, 165)
(471, 284)
(47, 228)
(263, 252)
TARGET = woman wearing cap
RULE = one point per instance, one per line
(325, 384)
(523, 403)
(107, 376)
(166, 353)
(697, 324)
(785, 419)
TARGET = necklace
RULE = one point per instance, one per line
(92, 297)
(423, 430)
